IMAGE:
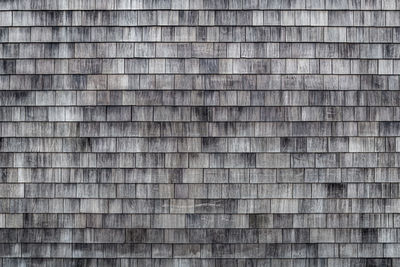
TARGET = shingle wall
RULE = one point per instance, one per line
(199, 133)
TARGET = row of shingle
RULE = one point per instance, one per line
(250, 198)
(220, 251)
(183, 177)
(115, 51)
(199, 4)
(134, 262)
(161, 218)
(29, 104)
(196, 175)
(199, 114)
(212, 160)
(213, 221)
(34, 101)
(328, 178)
(205, 144)
(199, 236)
(200, 66)
(202, 34)
(234, 217)
(198, 82)
(206, 207)
(201, 18)
(197, 129)
(250, 236)
(144, 221)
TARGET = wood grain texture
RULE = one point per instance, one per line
(199, 133)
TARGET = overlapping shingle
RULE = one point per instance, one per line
(199, 133)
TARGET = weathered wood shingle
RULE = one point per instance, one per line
(199, 132)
